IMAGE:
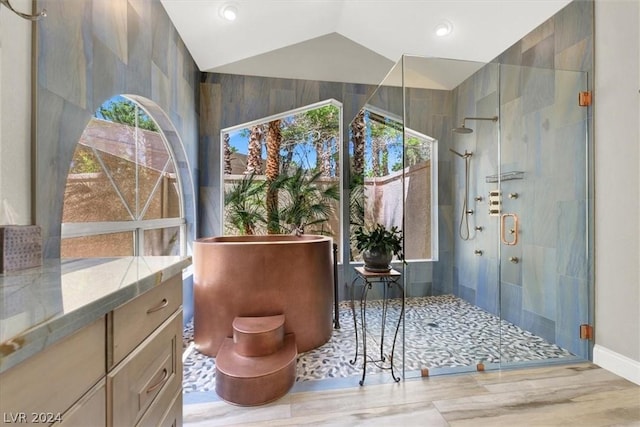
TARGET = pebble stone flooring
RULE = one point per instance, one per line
(440, 332)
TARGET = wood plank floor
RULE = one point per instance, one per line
(560, 395)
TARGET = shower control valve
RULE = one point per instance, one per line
(513, 195)
(514, 259)
(479, 228)
(479, 198)
(495, 203)
(478, 252)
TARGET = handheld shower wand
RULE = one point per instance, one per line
(463, 230)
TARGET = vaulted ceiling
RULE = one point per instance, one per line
(356, 41)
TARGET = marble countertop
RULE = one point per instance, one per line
(40, 306)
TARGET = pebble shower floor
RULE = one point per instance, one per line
(440, 332)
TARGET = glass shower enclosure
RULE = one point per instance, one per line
(485, 167)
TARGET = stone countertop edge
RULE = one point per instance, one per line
(49, 332)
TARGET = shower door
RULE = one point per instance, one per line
(541, 189)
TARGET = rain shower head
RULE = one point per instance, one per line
(464, 129)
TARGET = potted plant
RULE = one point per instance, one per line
(378, 245)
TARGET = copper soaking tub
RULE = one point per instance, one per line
(262, 276)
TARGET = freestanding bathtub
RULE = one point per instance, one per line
(262, 276)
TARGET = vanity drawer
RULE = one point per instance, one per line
(89, 411)
(166, 411)
(51, 381)
(132, 322)
(150, 372)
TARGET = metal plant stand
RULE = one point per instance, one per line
(388, 280)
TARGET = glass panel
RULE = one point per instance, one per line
(452, 305)
(500, 292)
(96, 246)
(419, 176)
(380, 174)
(161, 242)
(153, 157)
(123, 179)
(544, 273)
(284, 174)
(89, 195)
(165, 201)
(376, 152)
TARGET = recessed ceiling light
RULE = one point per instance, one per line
(229, 12)
(444, 29)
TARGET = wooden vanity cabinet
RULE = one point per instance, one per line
(132, 322)
(45, 388)
(144, 356)
(153, 369)
(124, 369)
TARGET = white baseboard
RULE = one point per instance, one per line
(617, 363)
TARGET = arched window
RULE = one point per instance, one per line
(123, 195)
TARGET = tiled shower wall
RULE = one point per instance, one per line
(543, 134)
(90, 51)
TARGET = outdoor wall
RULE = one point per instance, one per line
(90, 51)
(385, 200)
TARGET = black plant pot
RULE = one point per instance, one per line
(377, 261)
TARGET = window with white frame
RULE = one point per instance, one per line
(393, 181)
(282, 173)
(123, 196)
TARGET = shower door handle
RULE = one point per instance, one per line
(514, 230)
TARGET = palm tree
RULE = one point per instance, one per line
(305, 203)
(323, 125)
(274, 139)
(244, 205)
(358, 129)
(382, 135)
(227, 154)
(356, 182)
(254, 156)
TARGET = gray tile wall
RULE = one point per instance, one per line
(543, 133)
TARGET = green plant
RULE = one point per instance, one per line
(306, 202)
(244, 205)
(380, 239)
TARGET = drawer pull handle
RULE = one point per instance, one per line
(165, 377)
(160, 306)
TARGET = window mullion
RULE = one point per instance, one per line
(155, 188)
(137, 163)
(139, 242)
(113, 182)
